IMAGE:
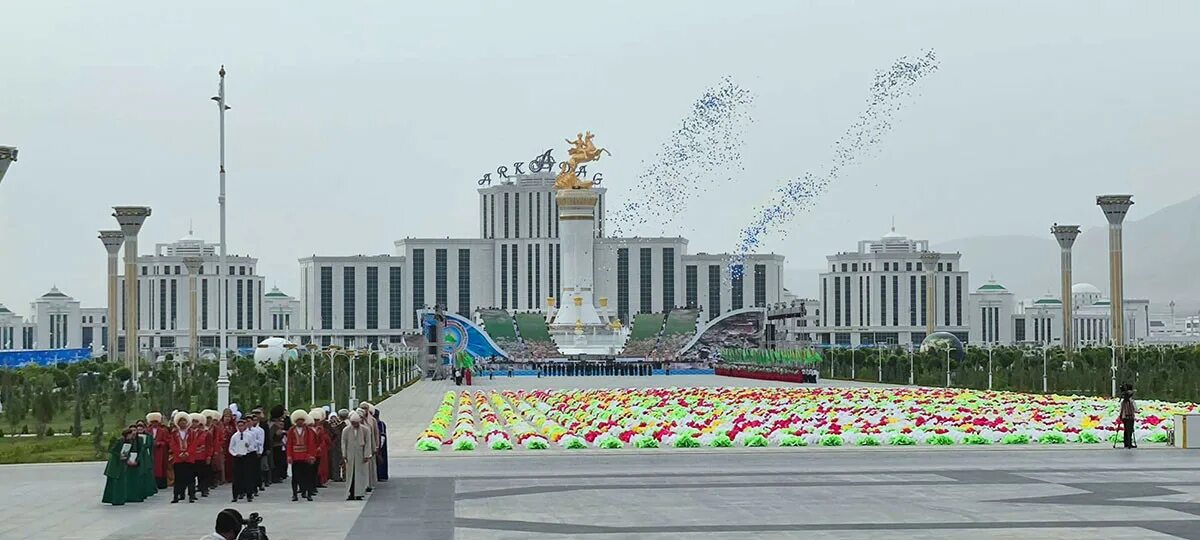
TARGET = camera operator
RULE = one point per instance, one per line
(229, 524)
(1128, 414)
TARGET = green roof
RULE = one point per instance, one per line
(993, 287)
(275, 294)
(1048, 301)
(1103, 303)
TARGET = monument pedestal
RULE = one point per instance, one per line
(577, 327)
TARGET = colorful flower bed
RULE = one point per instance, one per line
(784, 417)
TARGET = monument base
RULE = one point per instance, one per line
(588, 339)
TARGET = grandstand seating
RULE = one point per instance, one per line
(524, 335)
(532, 327)
(499, 324)
(681, 321)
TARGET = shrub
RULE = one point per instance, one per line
(940, 440)
(537, 444)
(611, 442)
(755, 440)
(976, 439)
(1089, 437)
(646, 442)
(868, 440)
(1158, 437)
(49, 431)
(903, 440)
(502, 444)
(576, 444)
(831, 440)
(426, 445)
(1015, 438)
(722, 441)
(686, 441)
(464, 444)
(1052, 437)
(792, 440)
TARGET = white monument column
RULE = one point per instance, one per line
(112, 241)
(929, 260)
(1066, 234)
(193, 268)
(131, 219)
(576, 216)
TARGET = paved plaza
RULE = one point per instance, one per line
(842, 493)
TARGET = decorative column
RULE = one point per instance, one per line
(131, 219)
(112, 241)
(1115, 207)
(8, 155)
(1066, 234)
(193, 268)
(576, 215)
(929, 260)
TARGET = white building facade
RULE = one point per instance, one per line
(1000, 319)
(516, 265)
(879, 294)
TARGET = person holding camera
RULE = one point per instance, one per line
(1128, 414)
(231, 526)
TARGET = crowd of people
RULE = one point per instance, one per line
(768, 373)
(194, 453)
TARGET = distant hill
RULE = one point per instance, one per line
(1162, 260)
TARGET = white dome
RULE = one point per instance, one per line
(1084, 288)
(271, 350)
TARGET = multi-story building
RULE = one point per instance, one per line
(793, 323)
(15, 332)
(880, 294)
(56, 317)
(516, 264)
(1003, 320)
(164, 311)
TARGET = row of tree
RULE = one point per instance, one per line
(93, 392)
(1168, 373)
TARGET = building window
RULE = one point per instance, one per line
(958, 300)
(516, 215)
(868, 297)
(737, 281)
(860, 300)
(348, 319)
(946, 299)
(395, 297)
(418, 284)
(204, 304)
(760, 285)
(690, 286)
(925, 301)
(372, 297)
(912, 301)
(949, 267)
(492, 203)
(250, 300)
(503, 276)
(537, 267)
(1018, 330)
(558, 268)
(622, 284)
(326, 297)
(883, 311)
(853, 267)
(539, 215)
(175, 304)
(464, 283)
(484, 218)
(714, 291)
(532, 215)
(895, 300)
(550, 270)
(939, 267)
(668, 279)
(908, 266)
(513, 270)
(846, 288)
(529, 277)
(645, 302)
(162, 304)
(506, 215)
(440, 279)
(843, 267)
(837, 301)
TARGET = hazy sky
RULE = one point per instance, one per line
(355, 124)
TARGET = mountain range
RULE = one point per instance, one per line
(1161, 258)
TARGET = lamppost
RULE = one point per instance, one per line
(8, 154)
(290, 349)
(312, 372)
(910, 364)
(990, 366)
(332, 350)
(948, 348)
(353, 384)
(222, 284)
(852, 371)
(370, 376)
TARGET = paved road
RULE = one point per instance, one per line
(842, 493)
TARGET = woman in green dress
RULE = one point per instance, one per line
(145, 468)
(118, 471)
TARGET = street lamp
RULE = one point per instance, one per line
(312, 372)
(990, 366)
(332, 350)
(910, 364)
(948, 348)
(287, 355)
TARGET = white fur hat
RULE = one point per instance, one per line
(317, 414)
(181, 415)
(211, 414)
(366, 405)
(197, 417)
(299, 414)
(355, 417)
(154, 417)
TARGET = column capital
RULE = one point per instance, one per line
(112, 241)
(1065, 234)
(131, 218)
(1114, 207)
(8, 154)
(193, 264)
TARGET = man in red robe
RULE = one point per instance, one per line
(161, 448)
(301, 449)
(321, 427)
(184, 445)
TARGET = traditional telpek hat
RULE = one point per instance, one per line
(181, 415)
(355, 417)
(299, 414)
(197, 417)
(317, 414)
(154, 417)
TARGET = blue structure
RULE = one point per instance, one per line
(460, 334)
(10, 359)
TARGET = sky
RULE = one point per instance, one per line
(357, 124)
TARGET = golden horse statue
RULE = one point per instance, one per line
(582, 150)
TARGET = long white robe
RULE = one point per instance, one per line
(373, 429)
(357, 446)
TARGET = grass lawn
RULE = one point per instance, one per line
(46, 450)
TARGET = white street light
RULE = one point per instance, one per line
(287, 354)
(222, 284)
(332, 350)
